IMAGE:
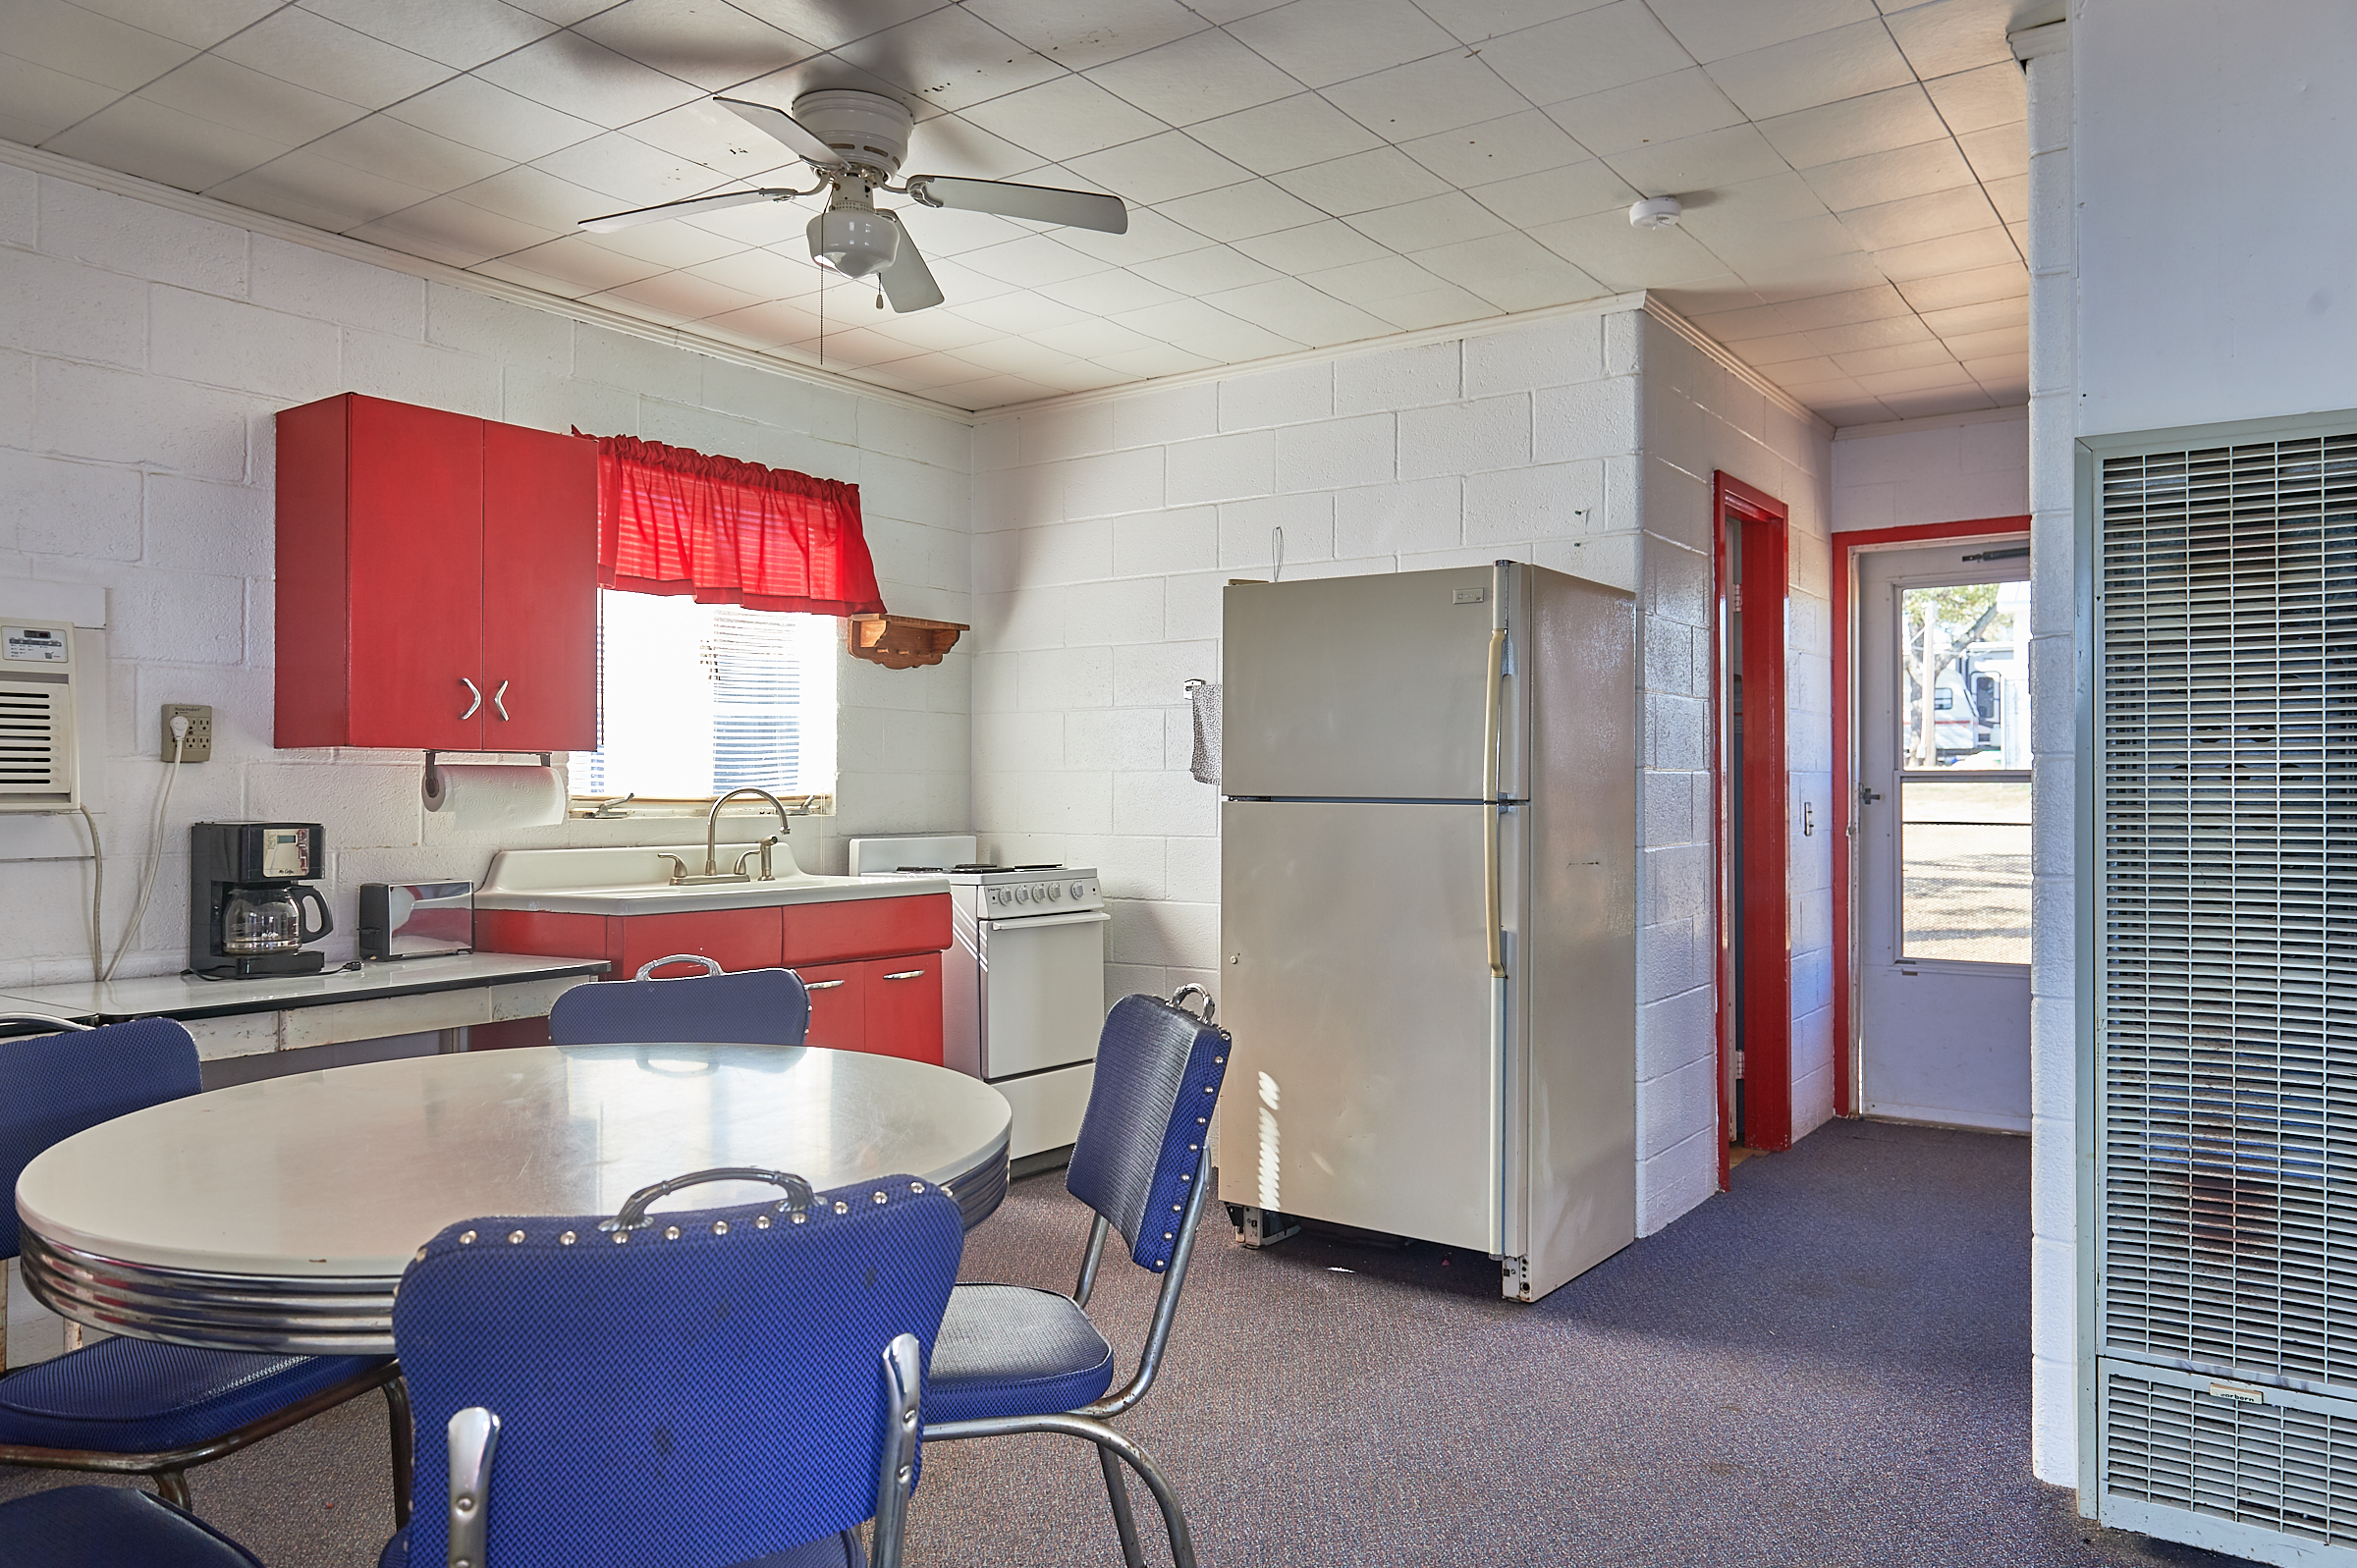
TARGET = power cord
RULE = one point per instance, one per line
(155, 845)
(97, 895)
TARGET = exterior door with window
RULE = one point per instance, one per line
(1943, 833)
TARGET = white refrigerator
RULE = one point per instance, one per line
(1428, 912)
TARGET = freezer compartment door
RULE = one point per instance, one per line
(1357, 687)
(1042, 990)
(1356, 981)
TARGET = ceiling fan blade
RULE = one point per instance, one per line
(909, 282)
(1079, 209)
(780, 127)
(681, 209)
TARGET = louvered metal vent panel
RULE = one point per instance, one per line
(2226, 806)
(2283, 1466)
(31, 736)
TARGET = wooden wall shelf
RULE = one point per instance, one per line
(902, 642)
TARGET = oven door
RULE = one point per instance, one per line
(1042, 992)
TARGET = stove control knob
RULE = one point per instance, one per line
(1078, 888)
(1055, 893)
(998, 895)
(1023, 896)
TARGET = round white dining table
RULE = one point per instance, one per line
(278, 1216)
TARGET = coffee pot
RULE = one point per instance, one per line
(269, 919)
(249, 885)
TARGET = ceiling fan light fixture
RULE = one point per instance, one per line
(1656, 212)
(854, 240)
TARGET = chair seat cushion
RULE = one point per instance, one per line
(828, 1552)
(1007, 1350)
(110, 1527)
(135, 1396)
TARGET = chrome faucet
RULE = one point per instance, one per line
(712, 833)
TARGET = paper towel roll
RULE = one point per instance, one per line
(483, 796)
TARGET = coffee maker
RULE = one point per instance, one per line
(248, 884)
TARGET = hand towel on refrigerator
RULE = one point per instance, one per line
(1206, 764)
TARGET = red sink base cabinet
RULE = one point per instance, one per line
(873, 965)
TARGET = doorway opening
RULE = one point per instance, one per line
(1751, 909)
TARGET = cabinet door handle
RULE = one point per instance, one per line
(820, 984)
(475, 691)
(907, 974)
(497, 703)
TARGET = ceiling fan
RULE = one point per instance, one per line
(855, 142)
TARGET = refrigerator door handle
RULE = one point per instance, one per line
(1489, 794)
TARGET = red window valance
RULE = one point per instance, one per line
(675, 521)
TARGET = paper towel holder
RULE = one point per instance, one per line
(431, 755)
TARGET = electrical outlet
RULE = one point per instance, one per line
(199, 748)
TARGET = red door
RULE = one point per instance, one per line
(415, 548)
(838, 1004)
(903, 1007)
(539, 590)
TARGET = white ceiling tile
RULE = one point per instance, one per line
(1478, 21)
(1482, 154)
(1699, 163)
(564, 13)
(1195, 79)
(2000, 152)
(1081, 34)
(666, 245)
(1020, 310)
(36, 102)
(459, 33)
(776, 223)
(1377, 278)
(1092, 339)
(1951, 35)
(1240, 211)
(1683, 103)
(329, 57)
(1203, 329)
(1782, 349)
(1510, 271)
(448, 230)
(1931, 216)
(1713, 30)
(1436, 220)
(1290, 134)
(1621, 257)
(1780, 198)
(395, 150)
(992, 391)
(763, 274)
(1944, 373)
(1019, 357)
(230, 94)
(1113, 290)
(773, 321)
(685, 294)
(1850, 306)
(949, 232)
(1974, 100)
(1596, 50)
(1442, 305)
(940, 329)
(1778, 249)
(1874, 332)
(566, 72)
(1554, 195)
(830, 23)
(1704, 294)
(1890, 176)
(198, 23)
(635, 175)
(1428, 96)
(143, 137)
(1035, 261)
(1158, 169)
(310, 186)
(1931, 403)
(1151, 237)
(2005, 341)
(1987, 315)
(1361, 181)
(703, 132)
(472, 111)
(708, 42)
(506, 270)
(1198, 273)
(82, 43)
(1876, 123)
(1323, 42)
(1314, 245)
(948, 143)
(949, 58)
(2010, 197)
(1955, 253)
(1295, 308)
(1064, 118)
(1810, 277)
(1160, 359)
(1806, 73)
(537, 197)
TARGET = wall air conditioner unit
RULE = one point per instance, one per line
(39, 688)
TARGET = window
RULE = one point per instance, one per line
(698, 699)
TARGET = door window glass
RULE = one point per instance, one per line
(1964, 851)
(1964, 672)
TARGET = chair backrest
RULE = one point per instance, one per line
(53, 1086)
(708, 1393)
(753, 1007)
(1159, 1070)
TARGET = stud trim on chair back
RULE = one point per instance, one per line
(751, 1008)
(1158, 1071)
(54, 1086)
(705, 1392)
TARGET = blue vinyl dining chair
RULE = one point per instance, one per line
(697, 1389)
(133, 1406)
(1018, 1360)
(751, 1008)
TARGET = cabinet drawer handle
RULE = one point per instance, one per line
(475, 691)
(907, 974)
(820, 984)
(495, 701)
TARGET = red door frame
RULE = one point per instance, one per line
(1767, 908)
(1845, 702)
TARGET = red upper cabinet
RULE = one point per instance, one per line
(437, 582)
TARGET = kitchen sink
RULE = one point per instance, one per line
(636, 880)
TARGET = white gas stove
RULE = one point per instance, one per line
(1023, 992)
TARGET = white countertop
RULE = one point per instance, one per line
(185, 997)
(632, 881)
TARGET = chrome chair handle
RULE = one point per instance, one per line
(632, 1214)
(67, 1025)
(475, 691)
(474, 1439)
(498, 702)
(1178, 1001)
(711, 966)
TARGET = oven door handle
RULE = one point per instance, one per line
(1070, 917)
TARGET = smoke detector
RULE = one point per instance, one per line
(1656, 212)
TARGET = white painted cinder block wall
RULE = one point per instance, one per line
(142, 353)
(1952, 468)
(1107, 525)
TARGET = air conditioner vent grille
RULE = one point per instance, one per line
(2277, 1466)
(32, 736)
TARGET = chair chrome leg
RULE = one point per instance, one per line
(404, 1444)
(1173, 1518)
(1123, 1522)
(173, 1487)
